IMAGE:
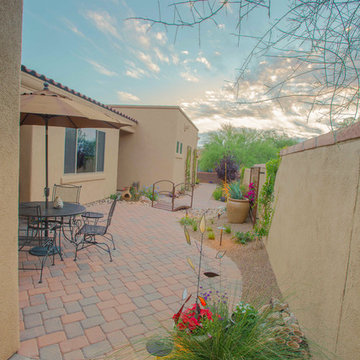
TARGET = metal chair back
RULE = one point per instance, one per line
(29, 215)
(110, 215)
(67, 193)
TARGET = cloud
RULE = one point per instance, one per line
(125, 96)
(161, 56)
(146, 59)
(135, 73)
(73, 28)
(161, 37)
(185, 52)
(203, 60)
(104, 22)
(221, 26)
(175, 59)
(139, 32)
(101, 69)
(241, 106)
(189, 77)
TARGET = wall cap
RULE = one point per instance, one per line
(333, 137)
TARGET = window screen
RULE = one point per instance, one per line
(86, 150)
(70, 150)
(100, 151)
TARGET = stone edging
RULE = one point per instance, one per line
(334, 137)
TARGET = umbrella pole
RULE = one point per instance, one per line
(46, 190)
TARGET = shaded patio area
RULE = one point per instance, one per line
(92, 307)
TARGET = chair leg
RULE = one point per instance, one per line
(110, 238)
(42, 265)
(107, 248)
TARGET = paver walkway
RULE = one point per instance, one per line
(91, 307)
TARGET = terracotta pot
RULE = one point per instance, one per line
(237, 210)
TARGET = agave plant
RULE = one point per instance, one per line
(233, 190)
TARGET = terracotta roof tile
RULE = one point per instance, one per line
(66, 88)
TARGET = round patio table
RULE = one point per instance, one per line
(69, 209)
(27, 209)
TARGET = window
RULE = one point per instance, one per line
(179, 146)
(84, 151)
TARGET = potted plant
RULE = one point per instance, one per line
(237, 206)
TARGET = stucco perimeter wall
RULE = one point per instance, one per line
(149, 154)
(95, 186)
(10, 40)
(314, 242)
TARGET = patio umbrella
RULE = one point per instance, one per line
(47, 108)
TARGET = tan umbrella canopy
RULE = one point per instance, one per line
(61, 111)
(47, 108)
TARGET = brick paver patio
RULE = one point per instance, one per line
(92, 307)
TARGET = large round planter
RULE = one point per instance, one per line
(237, 210)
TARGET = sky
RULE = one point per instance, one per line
(94, 47)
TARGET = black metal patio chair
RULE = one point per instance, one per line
(67, 193)
(86, 236)
(33, 239)
(70, 194)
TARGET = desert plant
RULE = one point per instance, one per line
(194, 167)
(211, 235)
(147, 191)
(244, 237)
(218, 193)
(266, 198)
(234, 190)
(209, 228)
(227, 229)
(214, 332)
(186, 220)
(113, 196)
(227, 169)
(195, 227)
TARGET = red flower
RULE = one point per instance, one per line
(190, 319)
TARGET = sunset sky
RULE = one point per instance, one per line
(89, 46)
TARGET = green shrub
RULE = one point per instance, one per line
(188, 221)
(148, 192)
(245, 334)
(235, 190)
(195, 227)
(266, 198)
(218, 193)
(113, 196)
(209, 228)
(227, 229)
(244, 237)
(211, 235)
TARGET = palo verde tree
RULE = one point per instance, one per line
(318, 42)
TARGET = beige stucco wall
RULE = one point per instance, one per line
(95, 186)
(314, 243)
(188, 136)
(149, 154)
(10, 54)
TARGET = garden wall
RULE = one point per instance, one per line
(314, 240)
(208, 177)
